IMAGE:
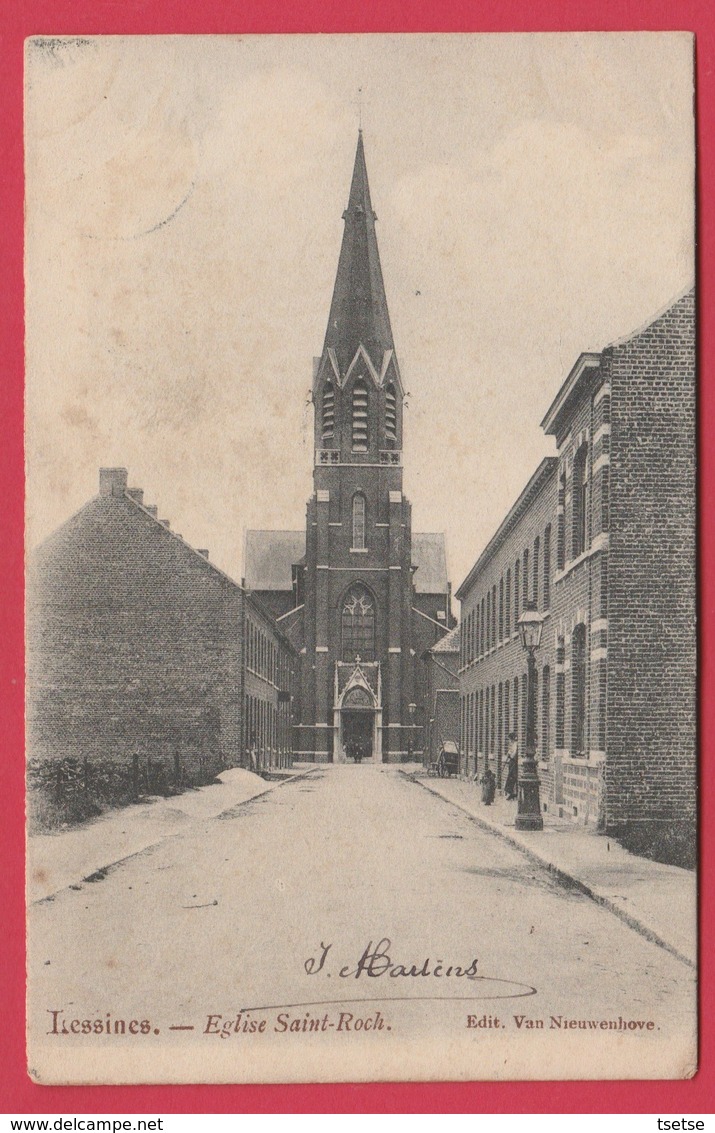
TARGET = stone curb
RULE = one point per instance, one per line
(564, 878)
(101, 871)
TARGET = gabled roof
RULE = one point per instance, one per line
(358, 312)
(568, 396)
(271, 555)
(429, 555)
(269, 558)
(544, 473)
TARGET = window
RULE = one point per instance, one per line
(501, 609)
(535, 569)
(580, 502)
(489, 620)
(515, 728)
(578, 691)
(480, 737)
(471, 741)
(507, 604)
(547, 567)
(561, 537)
(560, 693)
(358, 522)
(328, 411)
(517, 592)
(507, 719)
(360, 423)
(390, 413)
(494, 615)
(605, 500)
(358, 624)
(525, 579)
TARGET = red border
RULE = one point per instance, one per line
(19, 19)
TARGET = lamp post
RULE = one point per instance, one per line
(528, 810)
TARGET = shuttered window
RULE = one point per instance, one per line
(328, 412)
(360, 421)
(390, 413)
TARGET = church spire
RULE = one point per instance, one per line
(358, 312)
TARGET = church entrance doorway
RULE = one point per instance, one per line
(357, 733)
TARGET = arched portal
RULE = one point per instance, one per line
(358, 712)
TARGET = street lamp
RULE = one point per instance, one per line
(528, 810)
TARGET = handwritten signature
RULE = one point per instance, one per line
(376, 961)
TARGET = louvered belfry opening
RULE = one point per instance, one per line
(328, 411)
(390, 413)
(360, 419)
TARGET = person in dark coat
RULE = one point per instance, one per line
(510, 782)
(489, 784)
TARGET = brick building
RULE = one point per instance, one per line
(603, 539)
(138, 679)
(357, 592)
(442, 695)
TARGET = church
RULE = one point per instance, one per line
(359, 594)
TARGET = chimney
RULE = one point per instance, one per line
(137, 494)
(113, 481)
(203, 551)
(152, 509)
(165, 523)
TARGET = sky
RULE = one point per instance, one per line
(184, 197)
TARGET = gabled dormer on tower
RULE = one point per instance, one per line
(357, 390)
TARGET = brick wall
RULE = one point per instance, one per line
(618, 652)
(651, 769)
(134, 659)
(516, 565)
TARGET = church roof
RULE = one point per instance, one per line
(271, 555)
(429, 555)
(269, 558)
(358, 312)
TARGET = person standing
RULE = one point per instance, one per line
(512, 757)
(489, 784)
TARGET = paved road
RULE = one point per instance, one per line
(225, 916)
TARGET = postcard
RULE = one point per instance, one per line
(360, 426)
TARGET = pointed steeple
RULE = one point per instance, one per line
(358, 312)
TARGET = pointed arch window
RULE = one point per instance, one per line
(580, 501)
(390, 413)
(328, 415)
(578, 691)
(360, 420)
(358, 624)
(359, 522)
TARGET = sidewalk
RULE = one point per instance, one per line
(658, 901)
(56, 861)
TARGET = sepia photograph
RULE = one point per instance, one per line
(361, 464)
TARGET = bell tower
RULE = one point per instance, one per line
(357, 390)
(358, 565)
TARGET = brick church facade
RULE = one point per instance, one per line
(358, 593)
